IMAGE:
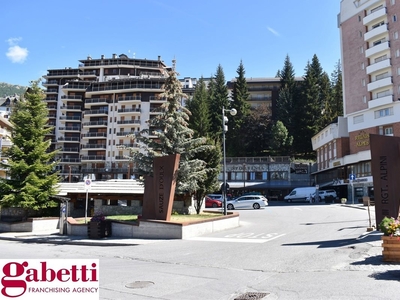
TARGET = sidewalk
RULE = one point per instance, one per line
(53, 237)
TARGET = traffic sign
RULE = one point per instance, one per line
(88, 183)
(352, 177)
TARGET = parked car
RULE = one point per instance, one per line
(213, 202)
(215, 196)
(325, 195)
(249, 201)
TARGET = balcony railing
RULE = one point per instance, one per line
(69, 128)
(69, 107)
(95, 123)
(68, 139)
(93, 157)
(95, 134)
(122, 146)
(76, 97)
(122, 110)
(96, 112)
(129, 98)
(129, 122)
(71, 118)
(126, 133)
(94, 146)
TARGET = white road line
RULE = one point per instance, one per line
(233, 240)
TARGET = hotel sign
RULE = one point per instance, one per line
(362, 139)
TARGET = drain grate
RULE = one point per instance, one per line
(139, 284)
(251, 296)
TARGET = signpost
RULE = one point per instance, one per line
(352, 177)
(88, 183)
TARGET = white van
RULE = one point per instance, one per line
(300, 194)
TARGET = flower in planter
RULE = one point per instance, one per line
(98, 217)
(390, 226)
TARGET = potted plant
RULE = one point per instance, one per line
(98, 226)
(390, 228)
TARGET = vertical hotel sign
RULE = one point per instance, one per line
(159, 190)
(385, 163)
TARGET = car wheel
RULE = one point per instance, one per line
(256, 206)
(214, 205)
(230, 206)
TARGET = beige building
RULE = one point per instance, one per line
(370, 50)
(97, 109)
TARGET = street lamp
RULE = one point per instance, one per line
(233, 112)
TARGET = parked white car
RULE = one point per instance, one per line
(248, 201)
(325, 195)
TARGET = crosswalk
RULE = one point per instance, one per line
(243, 237)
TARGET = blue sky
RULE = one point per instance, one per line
(40, 35)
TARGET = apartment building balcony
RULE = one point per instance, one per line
(77, 98)
(69, 128)
(156, 99)
(51, 107)
(70, 118)
(375, 32)
(75, 87)
(383, 64)
(67, 72)
(50, 99)
(124, 122)
(122, 157)
(90, 101)
(129, 145)
(68, 149)
(377, 49)
(68, 139)
(50, 83)
(70, 160)
(95, 124)
(65, 108)
(97, 112)
(374, 15)
(130, 99)
(93, 158)
(51, 91)
(52, 116)
(129, 110)
(6, 143)
(380, 101)
(94, 146)
(125, 85)
(126, 133)
(380, 83)
(94, 135)
(52, 132)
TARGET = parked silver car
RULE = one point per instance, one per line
(248, 201)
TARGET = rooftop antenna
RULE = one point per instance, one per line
(173, 64)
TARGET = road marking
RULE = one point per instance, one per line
(230, 239)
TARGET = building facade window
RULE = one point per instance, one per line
(383, 112)
(364, 99)
(358, 119)
(388, 130)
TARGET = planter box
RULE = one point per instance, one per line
(391, 248)
(98, 230)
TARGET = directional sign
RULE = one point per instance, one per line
(352, 177)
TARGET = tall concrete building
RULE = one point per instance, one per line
(97, 108)
(370, 50)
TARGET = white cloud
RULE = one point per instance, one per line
(273, 31)
(16, 53)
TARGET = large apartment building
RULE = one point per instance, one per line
(370, 50)
(96, 110)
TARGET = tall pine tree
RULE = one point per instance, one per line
(169, 133)
(240, 94)
(31, 181)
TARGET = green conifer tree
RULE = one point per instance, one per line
(31, 180)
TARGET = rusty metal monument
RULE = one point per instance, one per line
(159, 189)
(385, 166)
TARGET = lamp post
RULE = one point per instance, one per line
(244, 177)
(233, 112)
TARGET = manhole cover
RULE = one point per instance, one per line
(251, 296)
(139, 284)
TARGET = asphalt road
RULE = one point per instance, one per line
(285, 251)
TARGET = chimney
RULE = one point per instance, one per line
(114, 56)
